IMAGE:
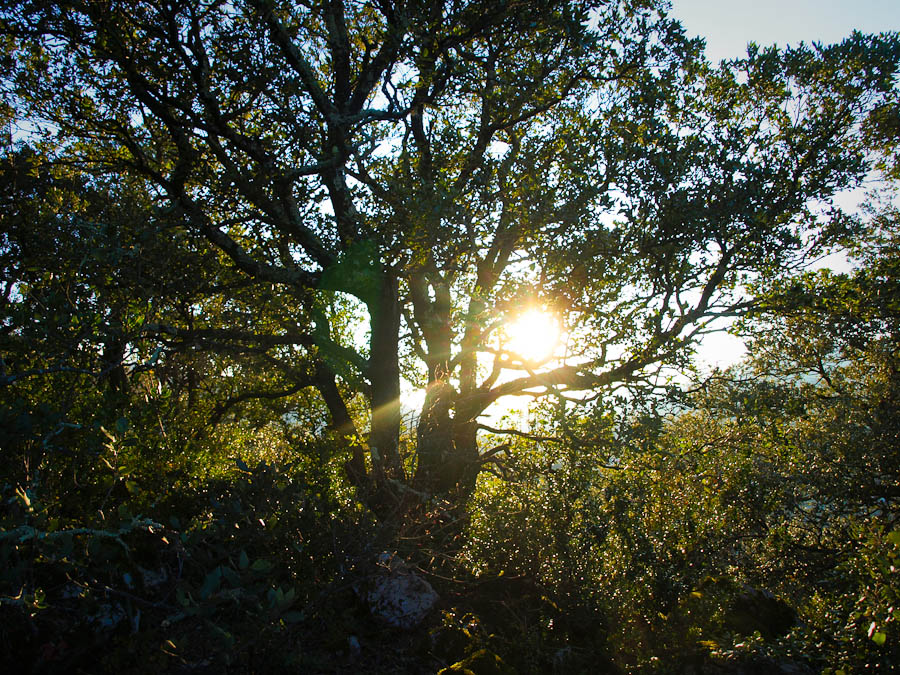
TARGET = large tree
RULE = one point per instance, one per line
(440, 165)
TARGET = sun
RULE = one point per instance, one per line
(533, 335)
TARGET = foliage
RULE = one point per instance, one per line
(246, 559)
(229, 231)
(426, 170)
(753, 521)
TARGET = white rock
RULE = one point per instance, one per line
(397, 595)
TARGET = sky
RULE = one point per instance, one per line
(728, 25)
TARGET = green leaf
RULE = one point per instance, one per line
(894, 537)
(232, 577)
(243, 561)
(211, 583)
(261, 565)
(357, 271)
(879, 638)
(293, 617)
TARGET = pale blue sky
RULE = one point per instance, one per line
(728, 26)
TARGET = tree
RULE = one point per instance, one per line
(777, 478)
(439, 166)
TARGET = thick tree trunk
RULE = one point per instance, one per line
(434, 438)
(446, 447)
(384, 374)
(447, 450)
(464, 464)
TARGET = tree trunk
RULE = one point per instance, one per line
(434, 438)
(446, 446)
(464, 465)
(342, 423)
(384, 374)
(112, 362)
(447, 451)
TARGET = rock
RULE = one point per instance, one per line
(108, 616)
(397, 595)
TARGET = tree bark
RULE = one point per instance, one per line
(447, 453)
(343, 425)
(384, 375)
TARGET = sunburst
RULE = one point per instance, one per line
(533, 335)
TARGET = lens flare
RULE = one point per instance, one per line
(533, 335)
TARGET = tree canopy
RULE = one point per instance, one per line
(433, 168)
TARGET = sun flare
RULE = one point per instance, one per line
(533, 335)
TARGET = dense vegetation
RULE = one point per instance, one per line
(233, 234)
